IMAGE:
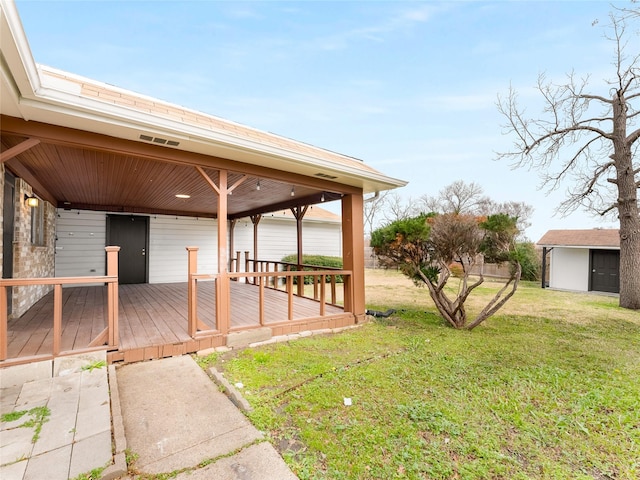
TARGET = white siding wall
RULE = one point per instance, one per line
(168, 238)
(277, 237)
(81, 238)
(80, 243)
(569, 269)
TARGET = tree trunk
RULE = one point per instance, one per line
(627, 209)
(630, 265)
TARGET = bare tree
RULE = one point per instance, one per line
(521, 211)
(397, 209)
(571, 141)
(373, 207)
(458, 198)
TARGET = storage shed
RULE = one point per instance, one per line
(581, 260)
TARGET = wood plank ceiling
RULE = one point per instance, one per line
(85, 178)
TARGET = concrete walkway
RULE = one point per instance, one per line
(176, 419)
(63, 424)
(167, 413)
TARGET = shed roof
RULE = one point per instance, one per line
(595, 237)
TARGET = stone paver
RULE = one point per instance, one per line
(18, 375)
(52, 465)
(76, 435)
(8, 398)
(15, 444)
(90, 453)
(13, 471)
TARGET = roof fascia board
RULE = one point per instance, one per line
(17, 51)
(65, 103)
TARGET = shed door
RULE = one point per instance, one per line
(605, 271)
(130, 233)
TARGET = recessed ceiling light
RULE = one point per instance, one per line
(182, 195)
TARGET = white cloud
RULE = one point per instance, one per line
(399, 21)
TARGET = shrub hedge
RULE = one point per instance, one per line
(318, 261)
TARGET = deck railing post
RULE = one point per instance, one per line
(261, 299)
(192, 294)
(322, 294)
(112, 295)
(290, 296)
(57, 319)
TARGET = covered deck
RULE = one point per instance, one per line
(153, 319)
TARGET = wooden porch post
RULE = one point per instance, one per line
(222, 285)
(353, 254)
(192, 299)
(112, 295)
(232, 228)
(299, 213)
(255, 219)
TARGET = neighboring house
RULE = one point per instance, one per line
(110, 167)
(582, 260)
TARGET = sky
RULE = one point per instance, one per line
(408, 87)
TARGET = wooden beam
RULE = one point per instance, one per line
(18, 149)
(82, 139)
(207, 178)
(286, 205)
(101, 339)
(237, 184)
(23, 172)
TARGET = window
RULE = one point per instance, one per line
(37, 224)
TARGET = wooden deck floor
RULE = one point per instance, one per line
(150, 315)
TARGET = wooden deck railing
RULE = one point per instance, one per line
(323, 279)
(266, 266)
(109, 336)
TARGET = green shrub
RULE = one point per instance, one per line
(525, 253)
(315, 260)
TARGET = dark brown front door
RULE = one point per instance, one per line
(130, 233)
(8, 215)
(605, 271)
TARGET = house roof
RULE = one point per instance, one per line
(595, 237)
(42, 94)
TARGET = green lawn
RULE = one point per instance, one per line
(549, 388)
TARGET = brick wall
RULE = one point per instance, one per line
(31, 260)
